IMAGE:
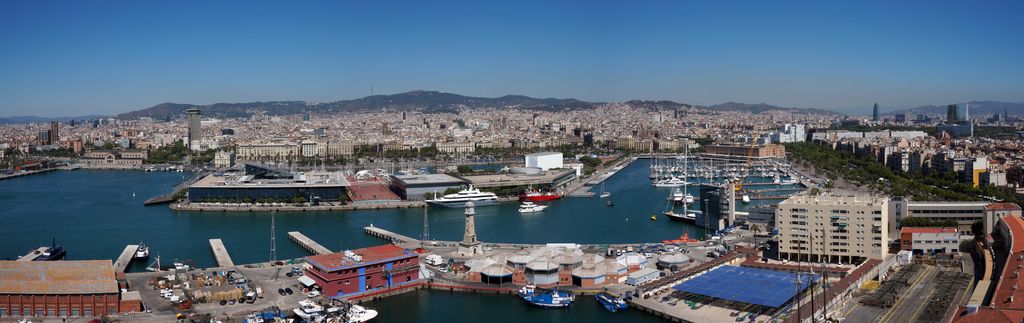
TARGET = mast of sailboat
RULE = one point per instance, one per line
(273, 240)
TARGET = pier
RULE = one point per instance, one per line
(390, 236)
(125, 258)
(221, 253)
(308, 243)
(32, 255)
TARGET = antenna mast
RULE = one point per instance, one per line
(426, 224)
(273, 241)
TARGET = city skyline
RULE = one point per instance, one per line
(836, 56)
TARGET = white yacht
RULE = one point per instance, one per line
(671, 182)
(677, 195)
(530, 207)
(142, 252)
(459, 199)
(359, 314)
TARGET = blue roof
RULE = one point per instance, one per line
(747, 285)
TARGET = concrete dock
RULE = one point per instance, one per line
(390, 236)
(221, 253)
(126, 257)
(33, 254)
(308, 243)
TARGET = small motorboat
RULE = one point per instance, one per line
(142, 252)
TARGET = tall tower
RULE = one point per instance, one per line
(54, 132)
(470, 246)
(874, 114)
(195, 130)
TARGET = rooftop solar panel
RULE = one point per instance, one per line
(747, 285)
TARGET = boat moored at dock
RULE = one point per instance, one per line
(611, 302)
(548, 298)
(459, 199)
(538, 196)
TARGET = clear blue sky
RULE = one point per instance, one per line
(84, 57)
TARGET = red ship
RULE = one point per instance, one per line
(536, 196)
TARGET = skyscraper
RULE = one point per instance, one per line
(874, 114)
(951, 117)
(195, 130)
(54, 132)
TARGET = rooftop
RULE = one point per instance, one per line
(928, 230)
(428, 179)
(547, 177)
(313, 179)
(544, 153)
(835, 199)
(338, 260)
(747, 285)
(1002, 207)
(57, 277)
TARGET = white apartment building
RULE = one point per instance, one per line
(836, 228)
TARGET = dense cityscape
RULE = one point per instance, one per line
(577, 162)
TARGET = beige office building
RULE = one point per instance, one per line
(836, 228)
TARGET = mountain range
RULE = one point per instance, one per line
(437, 102)
(978, 108)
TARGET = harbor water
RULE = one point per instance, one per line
(95, 213)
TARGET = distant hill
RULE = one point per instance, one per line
(35, 119)
(978, 108)
(427, 101)
(760, 107)
(657, 105)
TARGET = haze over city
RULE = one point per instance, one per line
(86, 58)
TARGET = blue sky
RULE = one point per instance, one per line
(102, 57)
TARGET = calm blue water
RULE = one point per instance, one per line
(94, 215)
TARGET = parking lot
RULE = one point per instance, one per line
(268, 279)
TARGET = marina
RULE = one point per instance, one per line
(504, 228)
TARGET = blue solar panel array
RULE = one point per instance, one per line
(748, 285)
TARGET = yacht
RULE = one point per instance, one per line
(530, 207)
(677, 195)
(307, 310)
(459, 199)
(142, 252)
(671, 182)
(746, 198)
(686, 216)
(359, 314)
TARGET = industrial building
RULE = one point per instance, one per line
(857, 228)
(263, 183)
(354, 272)
(417, 187)
(79, 288)
(544, 160)
(127, 158)
(930, 240)
(549, 179)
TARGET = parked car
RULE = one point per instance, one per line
(289, 290)
(281, 291)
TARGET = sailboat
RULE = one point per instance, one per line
(155, 266)
(603, 193)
